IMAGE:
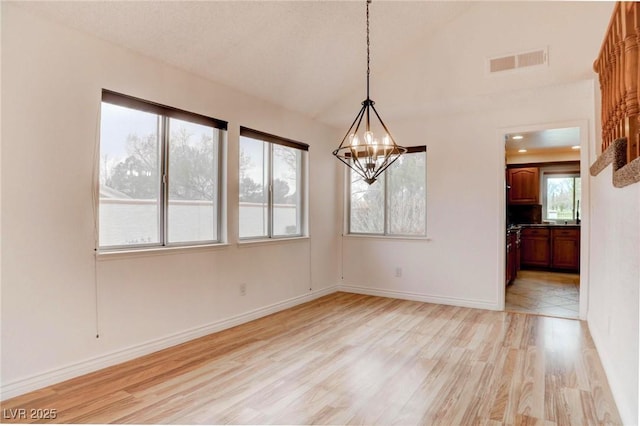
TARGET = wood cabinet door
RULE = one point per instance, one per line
(512, 257)
(525, 185)
(518, 251)
(508, 276)
(534, 246)
(535, 251)
(565, 247)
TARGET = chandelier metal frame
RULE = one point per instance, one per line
(360, 150)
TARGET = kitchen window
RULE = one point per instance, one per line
(273, 201)
(396, 203)
(562, 193)
(159, 175)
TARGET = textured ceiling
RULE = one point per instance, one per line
(303, 55)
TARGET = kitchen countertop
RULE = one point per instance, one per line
(519, 227)
(548, 225)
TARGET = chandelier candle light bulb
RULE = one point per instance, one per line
(370, 159)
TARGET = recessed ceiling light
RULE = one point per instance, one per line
(522, 150)
(517, 137)
(575, 147)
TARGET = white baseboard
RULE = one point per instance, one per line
(48, 378)
(21, 386)
(419, 297)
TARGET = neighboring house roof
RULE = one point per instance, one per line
(107, 192)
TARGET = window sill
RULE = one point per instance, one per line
(157, 251)
(386, 237)
(269, 241)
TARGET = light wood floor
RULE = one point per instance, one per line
(545, 293)
(353, 359)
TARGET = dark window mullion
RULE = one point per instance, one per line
(164, 180)
(385, 230)
(575, 210)
(269, 160)
(217, 164)
(349, 199)
(301, 183)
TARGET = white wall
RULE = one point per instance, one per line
(461, 263)
(614, 268)
(51, 87)
(457, 110)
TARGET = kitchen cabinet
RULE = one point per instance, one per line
(518, 254)
(508, 276)
(513, 255)
(524, 183)
(565, 248)
(536, 250)
(551, 247)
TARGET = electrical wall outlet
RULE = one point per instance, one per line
(398, 272)
(243, 289)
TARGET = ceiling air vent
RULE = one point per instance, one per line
(518, 60)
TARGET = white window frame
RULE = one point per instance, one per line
(166, 113)
(271, 141)
(386, 233)
(546, 174)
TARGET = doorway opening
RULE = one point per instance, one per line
(543, 217)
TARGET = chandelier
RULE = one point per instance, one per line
(368, 148)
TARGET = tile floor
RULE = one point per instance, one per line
(546, 293)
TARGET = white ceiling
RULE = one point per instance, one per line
(551, 140)
(303, 55)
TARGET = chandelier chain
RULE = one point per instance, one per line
(368, 148)
(368, 49)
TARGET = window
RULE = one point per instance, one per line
(272, 186)
(159, 175)
(561, 196)
(396, 203)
